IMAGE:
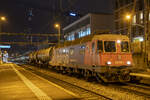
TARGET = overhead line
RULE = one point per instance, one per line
(25, 34)
(27, 43)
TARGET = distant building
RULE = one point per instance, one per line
(89, 24)
(138, 20)
(138, 26)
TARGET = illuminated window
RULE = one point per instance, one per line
(134, 19)
(88, 31)
(71, 37)
(84, 32)
(149, 16)
(141, 15)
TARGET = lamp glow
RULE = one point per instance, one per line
(108, 62)
(3, 18)
(118, 41)
(129, 62)
(128, 17)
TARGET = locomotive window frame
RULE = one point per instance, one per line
(110, 51)
(100, 45)
(128, 45)
(93, 47)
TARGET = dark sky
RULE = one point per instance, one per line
(45, 13)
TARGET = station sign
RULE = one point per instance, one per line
(5, 46)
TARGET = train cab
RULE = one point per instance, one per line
(108, 50)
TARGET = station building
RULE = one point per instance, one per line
(138, 20)
(89, 24)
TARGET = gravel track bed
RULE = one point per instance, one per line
(138, 87)
(115, 93)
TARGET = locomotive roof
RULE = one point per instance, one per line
(82, 40)
(110, 37)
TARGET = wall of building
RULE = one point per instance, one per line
(102, 22)
(138, 27)
(88, 25)
(124, 7)
(77, 29)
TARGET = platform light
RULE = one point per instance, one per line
(141, 39)
(57, 25)
(118, 41)
(128, 17)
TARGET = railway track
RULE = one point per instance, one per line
(127, 88)
(83, 93)
(140, 89)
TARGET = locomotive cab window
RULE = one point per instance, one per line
(110, 46)
(124, 46)
(93, 47)
(99, 46)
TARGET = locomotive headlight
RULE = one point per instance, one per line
(118, 41)
(129, 62)
(109, 62)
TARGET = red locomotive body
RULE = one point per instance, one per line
(108, 50)
(106, 57)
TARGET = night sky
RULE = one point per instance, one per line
(38, 16)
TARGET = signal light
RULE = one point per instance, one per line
(72, 14)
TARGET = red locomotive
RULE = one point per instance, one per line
(105, 56)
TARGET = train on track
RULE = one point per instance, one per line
(104, 56)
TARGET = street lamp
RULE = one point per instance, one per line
(58, 27)
(2, 19)
(128, 17)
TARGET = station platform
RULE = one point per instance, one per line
(17, 83)
(145, 76)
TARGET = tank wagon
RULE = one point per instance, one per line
(106, 57)
(41, 57)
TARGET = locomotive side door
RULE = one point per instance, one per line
(99, 51)
(95, 55)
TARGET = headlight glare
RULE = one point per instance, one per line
(129, 62)
(109, 62)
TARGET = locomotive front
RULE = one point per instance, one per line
(114, 57)
(116, 53)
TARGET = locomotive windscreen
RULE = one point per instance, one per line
(110, 46)
(124, 46)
